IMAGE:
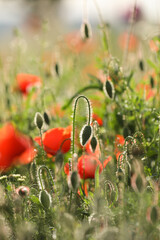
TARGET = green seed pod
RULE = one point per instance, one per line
(141, 65)
(85, 134)
(86, 31)
(154, 214)
(38, 119)
(93, 143)
(74, 181)
(45, 199)
(46, 118)
(109, 89)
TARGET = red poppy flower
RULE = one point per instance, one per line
(15, 147)
(26, 81)
(132, 44)
(98, 119)
(119, 142)
(54, 140)
(87, 165)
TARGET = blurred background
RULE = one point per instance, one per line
(66, 15)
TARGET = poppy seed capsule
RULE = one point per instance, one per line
(45, 199)
(85, 134)
(86, 31)
(38, 119)
(109, 89)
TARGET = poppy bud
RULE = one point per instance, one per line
(152, 82)
(59, 158)
(93, 143)
(154, 214)
(141, 65)
(23, 191)
(46, 118)
(109, 89)
(57, 69)
(85, 134)
(38, 119)
(86, 31)
(74, 180)
(45, 199)
(137, 150)
(139, 183)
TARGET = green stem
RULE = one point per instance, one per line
(159, 149)
(70, 201)
(99, 87)
(74, 118)
(42, 144)
(48, 172)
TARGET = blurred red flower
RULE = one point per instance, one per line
(76, 44)
(15, 148)
(54, 140)
(97, 118)
(132, 43)
(26, 81)
(146, 90)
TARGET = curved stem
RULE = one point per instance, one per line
(64, 142)
(40, 179)
(99, 87)
(74, 117)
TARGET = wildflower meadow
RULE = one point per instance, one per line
(80, 134)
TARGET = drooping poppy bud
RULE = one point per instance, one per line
(86, 31)
(74, 181)
(46, 118)
(38, 119)
(109, 89)
(23, 191)
(141, 65)
(85, 134)
(93, 143)
(45, 199)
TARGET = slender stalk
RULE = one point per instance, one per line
(125, 55)
(74, 117)
(102, 23)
